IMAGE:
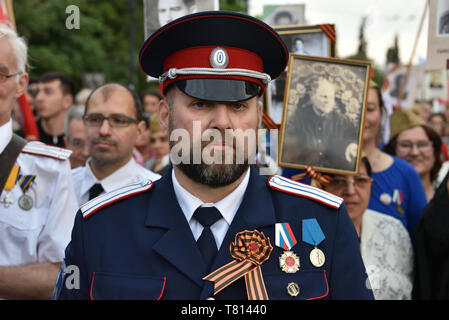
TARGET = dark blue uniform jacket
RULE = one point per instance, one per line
(142, 247)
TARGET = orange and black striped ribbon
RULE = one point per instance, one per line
(268, 122)
(312, 174)
(329, 30)
(250, 249)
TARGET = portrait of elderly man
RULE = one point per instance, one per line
(322, 121)
(158, 13)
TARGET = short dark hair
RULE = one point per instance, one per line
(67, 85)
(369, 170)
(107, 90)
(152, 92)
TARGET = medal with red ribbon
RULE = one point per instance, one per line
(249, 249)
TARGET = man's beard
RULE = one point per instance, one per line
(215, 174)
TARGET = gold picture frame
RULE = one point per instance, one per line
(323, 119)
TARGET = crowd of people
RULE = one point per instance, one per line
(398, 202)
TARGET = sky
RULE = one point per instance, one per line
(385, 19)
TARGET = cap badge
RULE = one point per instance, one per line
(219, 58)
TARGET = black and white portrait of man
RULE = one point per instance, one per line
(160, 12)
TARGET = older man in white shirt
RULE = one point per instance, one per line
(37, 200)
(113, 120)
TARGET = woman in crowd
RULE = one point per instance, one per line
(397, 189)
(417, 143)
(384, 242)
(160, 147)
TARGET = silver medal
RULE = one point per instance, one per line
(25, 202)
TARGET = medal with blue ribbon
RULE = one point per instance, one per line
(313, 235)
(25, 201)
(285, 239)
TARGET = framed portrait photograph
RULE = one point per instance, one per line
(438, 35)
(393, 83)
(283, 14)
(322, 123)
(160, 12)
(314, 40)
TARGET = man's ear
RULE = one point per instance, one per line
(141, 126)
(67, 101)
(163, 115)
(22, 84)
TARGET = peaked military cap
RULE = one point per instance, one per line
(215, 55)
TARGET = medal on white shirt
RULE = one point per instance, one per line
(25, 201)
(9, 185)
(313, 235)
(285, 239)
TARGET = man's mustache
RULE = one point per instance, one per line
(104, 140)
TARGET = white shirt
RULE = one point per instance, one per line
(227, 206)
(42, 233)
(387, 253)
(131, 172)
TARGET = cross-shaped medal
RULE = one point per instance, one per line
(7, 201)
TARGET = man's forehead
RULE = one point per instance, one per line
(117, 96)
(76, 125)
(7, 57)
(55, 83)
(106, 93)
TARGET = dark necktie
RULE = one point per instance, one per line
(95, 191)
(207, 216)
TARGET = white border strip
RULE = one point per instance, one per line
(108, 197)
(305, 190)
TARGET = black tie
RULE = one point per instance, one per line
(207, 216)
(95, 191)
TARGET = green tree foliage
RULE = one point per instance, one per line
(234, 5)
(362, 53)
(101, 44)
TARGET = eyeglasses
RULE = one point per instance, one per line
(4, 76)
(358, 182)
(115, 120)
(406, 146)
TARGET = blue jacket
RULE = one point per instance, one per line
(141, 247)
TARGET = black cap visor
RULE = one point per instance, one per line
(226, 90)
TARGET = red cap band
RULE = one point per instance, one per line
(200, 57)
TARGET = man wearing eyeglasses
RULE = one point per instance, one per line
(37, 200)
(113, 121)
